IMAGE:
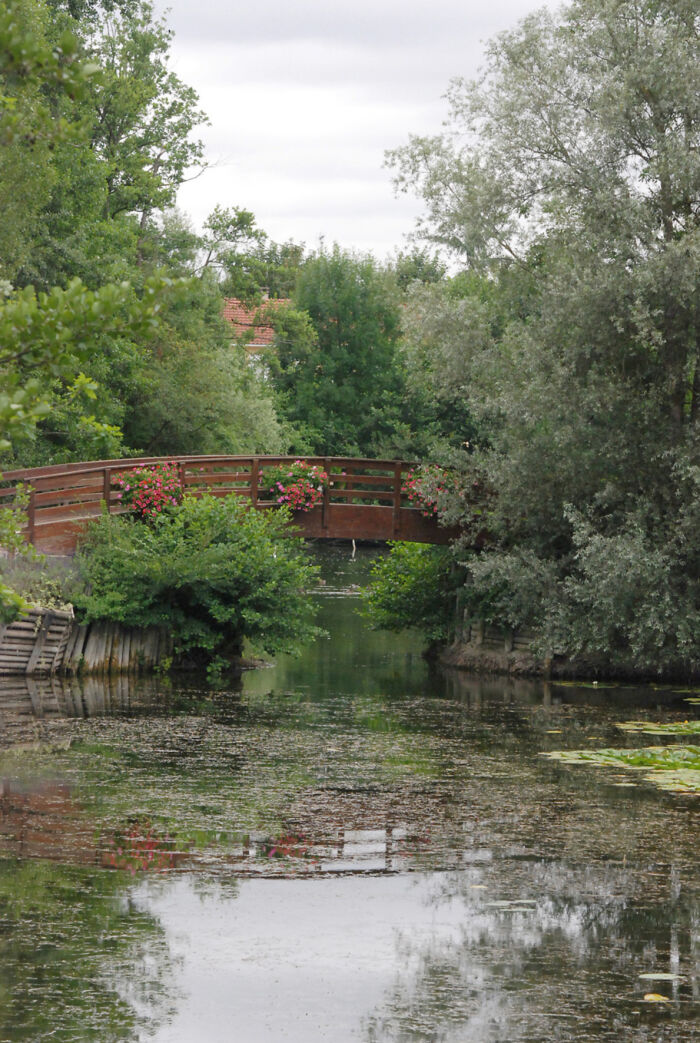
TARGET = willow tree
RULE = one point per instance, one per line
(569, 178)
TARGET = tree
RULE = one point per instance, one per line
(570, 180)
(246, 263)
(33, 69)
(136, 121)
(338, 372)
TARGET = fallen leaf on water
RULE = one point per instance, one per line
(656, 997)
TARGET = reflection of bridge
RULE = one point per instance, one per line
(362, 501)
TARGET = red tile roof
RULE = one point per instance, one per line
(252, 322)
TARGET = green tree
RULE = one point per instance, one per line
(247, 264)
(569, 179)
(34, 70)
(137, 120)
(337, 373)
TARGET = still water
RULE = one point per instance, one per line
(349, 846)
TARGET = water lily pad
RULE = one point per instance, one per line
(671, 728)
(673, 768)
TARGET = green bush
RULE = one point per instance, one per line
(413, 586)
(213, 571)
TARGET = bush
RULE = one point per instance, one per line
(213, 571)
(413, 586)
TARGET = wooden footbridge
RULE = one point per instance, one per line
(362, 501)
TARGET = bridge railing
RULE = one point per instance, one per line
(63, 497)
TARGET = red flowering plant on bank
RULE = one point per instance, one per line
(150, 489)
(299, 485)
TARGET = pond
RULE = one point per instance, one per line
(347, 846)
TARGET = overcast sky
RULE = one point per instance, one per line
(305, 96)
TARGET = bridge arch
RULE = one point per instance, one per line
(363, 501)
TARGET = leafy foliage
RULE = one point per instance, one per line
(335, 364)
(12, 520)
(567, 186)
(414, 586)
(213, 571)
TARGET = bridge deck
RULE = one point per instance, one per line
(363, 500)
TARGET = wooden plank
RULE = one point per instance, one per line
(34, 662)
(353, 480)
(62, 497)
(95, 648)
(124, 650)
(350, 495)
(75, 637)
(69, 511)
(136, 661)
(114, 659)
(150, 646)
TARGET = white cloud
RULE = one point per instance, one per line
(304, 98)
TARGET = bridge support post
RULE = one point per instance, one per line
(31, 515)
(254, 480)
(325, 507)
(107, 488)
(397, 497)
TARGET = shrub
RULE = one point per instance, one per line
(150, 489)
(413, 586)
(213, 571)
(13, 519)
(298, 485)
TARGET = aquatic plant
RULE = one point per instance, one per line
(675, 767)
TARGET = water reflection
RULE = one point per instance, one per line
(80, 959)
(508, 951)
(348, 846)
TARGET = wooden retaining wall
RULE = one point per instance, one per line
(488, 638)
(45, 642)
(35, 643)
